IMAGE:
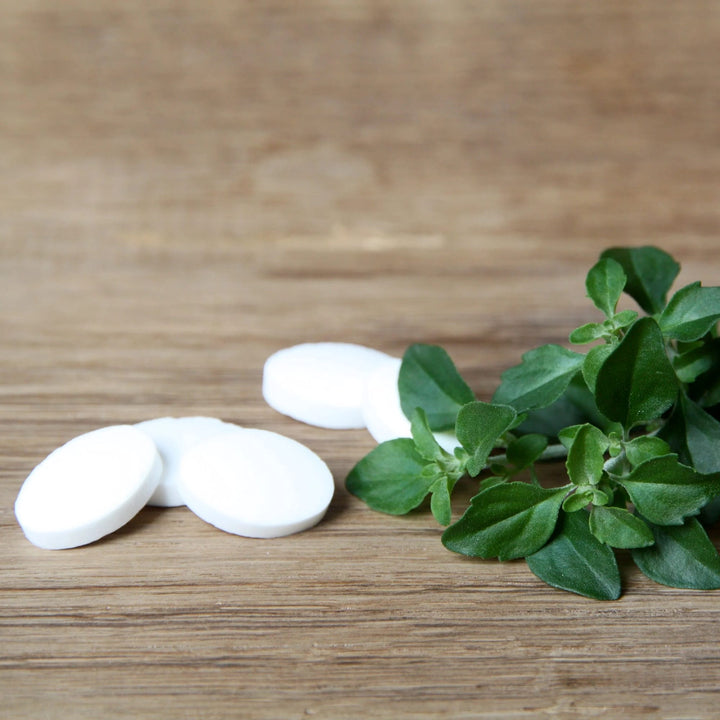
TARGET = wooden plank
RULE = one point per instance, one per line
(186, 188)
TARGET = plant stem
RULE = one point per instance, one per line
(554, 452)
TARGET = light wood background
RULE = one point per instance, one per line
(186, 187)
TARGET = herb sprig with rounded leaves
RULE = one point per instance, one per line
(636, 418)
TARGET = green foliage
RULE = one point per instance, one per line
(577, 561)
(525, 450)
(696, 436)
(695, 360)
(605, 283)
(666, 492)
(636, 383)
(425, 441)
(691, 313)
(650, 274)
(636, 418)
(578, 499)
(586, 457)
(592, 363)
(506, 521)
(390, 478)
(429, 380)
(619, 528)
(479, 425)
(644, 448)
(681, 556)
(575, 406)
(540, 379)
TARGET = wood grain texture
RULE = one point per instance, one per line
(186, 187)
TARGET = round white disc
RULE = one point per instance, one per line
(173, 437)
(255, 483)
(89, 487)
(320, 384)
(382, 412)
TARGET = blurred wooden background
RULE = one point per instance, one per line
(186, 187)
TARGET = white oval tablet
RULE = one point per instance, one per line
(89, 487)
(173, 437)
(321, 384)
(255, 483)
(382, 412)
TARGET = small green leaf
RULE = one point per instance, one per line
(645, 447)
(666, 492)
(540, 379)
(479, 425)
(567, 435)
(461, 454)
(681, 557)
(623, 319)
(586, 456)
(703, 362)
(691, 313)
(702, 448)
(695, 435)
(650, 274)
(575, 560)
(601, 497)
(423, 436)
(593, 362)
(390, 478)
(431, 470)
(587, 333)
(440, 501)
(489, 482)
(575, 406)
(581, 498)
(619, 528)
(702, 437)
(693, 363)
(616, 445)
(604, 284)
(429, 380)
(525, 450)
(636, 383)
(506, 521)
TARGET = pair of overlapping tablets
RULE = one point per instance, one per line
(245, 481)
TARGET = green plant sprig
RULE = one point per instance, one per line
(636, 418)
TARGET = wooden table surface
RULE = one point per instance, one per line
(186, 187)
